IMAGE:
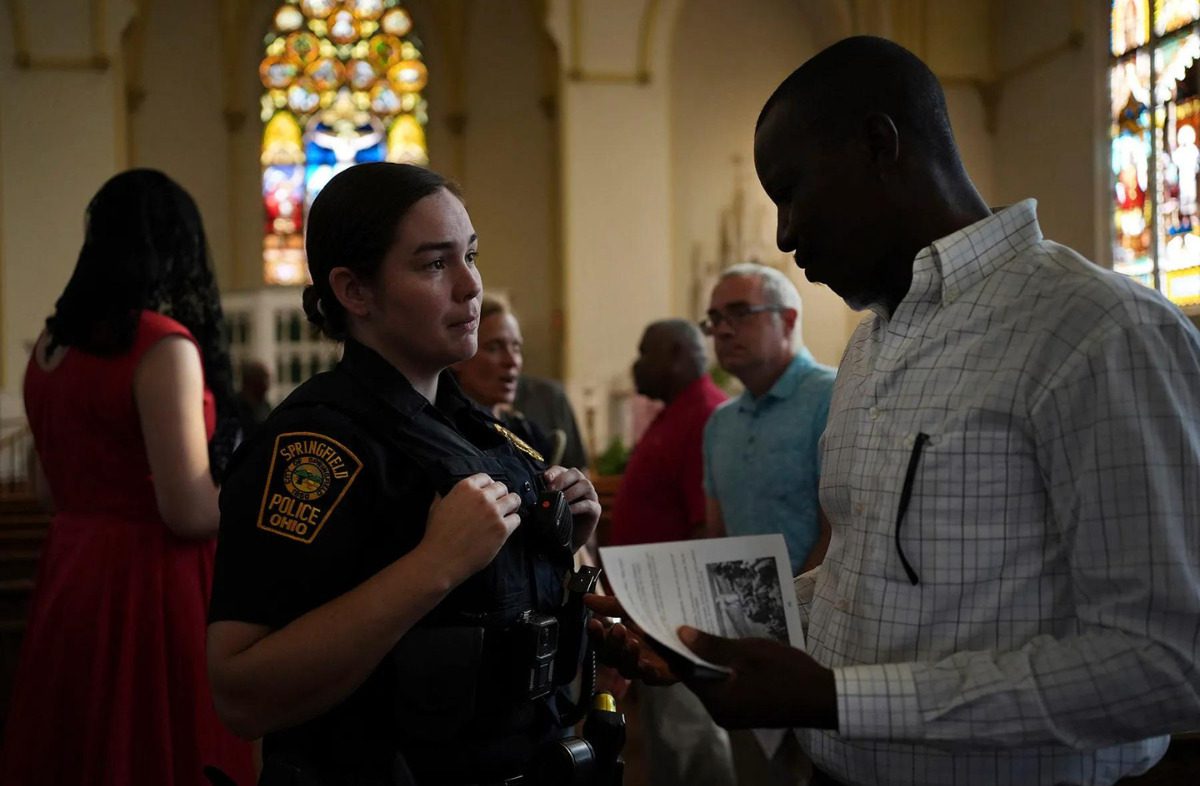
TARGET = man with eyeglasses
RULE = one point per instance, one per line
(762, 450)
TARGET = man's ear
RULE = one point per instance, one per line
(788, 315)
(350, 291)
(883, 141)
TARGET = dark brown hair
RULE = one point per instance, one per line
(352, 224)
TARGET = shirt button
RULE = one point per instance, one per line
(874, 413)
(841, 604)
(859, 508)
(526, 487)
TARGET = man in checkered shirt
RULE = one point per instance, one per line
(1011, 468)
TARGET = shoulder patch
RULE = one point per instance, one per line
(519, 443)
(309, 475)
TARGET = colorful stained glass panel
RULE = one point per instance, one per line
(1130, 159)
(1130, 25)
(338, 92)
(1171, 15)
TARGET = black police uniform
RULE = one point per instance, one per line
(334, 487)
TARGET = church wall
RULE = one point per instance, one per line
(59, 140)
(199, 122)
(510, 170)
(179, 127)
(726, 59)
(609, 235)
(616, 190)
(1051, 119)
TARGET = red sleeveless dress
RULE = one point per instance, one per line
(111, 686)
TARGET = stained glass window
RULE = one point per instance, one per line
(1155, 158)
(342, 86)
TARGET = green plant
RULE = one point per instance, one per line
(614, 458)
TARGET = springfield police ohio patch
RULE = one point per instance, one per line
(309, 476)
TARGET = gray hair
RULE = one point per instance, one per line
(778, 289)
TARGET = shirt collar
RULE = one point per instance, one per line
(957, 262)
(787, 383)
(693, 392)
(386, 381)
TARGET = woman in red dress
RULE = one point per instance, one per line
(129, 397)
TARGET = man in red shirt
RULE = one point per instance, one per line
(661, 498)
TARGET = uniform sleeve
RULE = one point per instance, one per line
(1118, 444)
(297, 512)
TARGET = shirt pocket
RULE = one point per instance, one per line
(503, 584)
(448, 470)
(974, 505)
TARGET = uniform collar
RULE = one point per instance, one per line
(693, 392)
(385, 380)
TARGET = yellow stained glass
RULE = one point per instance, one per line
(326, 73)
(282, 140)
(1130, 91)
(318, 9)
(1170, 15)
(408, 76)
(276, 72)
(384, 100)
(1183, 286)
(303, 47)
(397, 22)
(386, 50)
(288, 18)
(406, 141)
(361, 74)
(1130, 25)
(367, 9)
(342, 85)
(343, 27)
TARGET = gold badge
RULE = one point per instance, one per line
(309, 475)
(519, 443)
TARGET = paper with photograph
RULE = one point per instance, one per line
(734, 587)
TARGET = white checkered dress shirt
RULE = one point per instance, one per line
(1053, 527)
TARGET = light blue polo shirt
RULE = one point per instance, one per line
(762, 460)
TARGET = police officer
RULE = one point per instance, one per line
(386, 608)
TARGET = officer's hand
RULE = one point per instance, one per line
(772, 685)
(580, 494)
(623, 646)
(466, 529)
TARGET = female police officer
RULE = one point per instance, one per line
(383, 608)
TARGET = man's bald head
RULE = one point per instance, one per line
(855, 150)
(671, 356)
(858, 76)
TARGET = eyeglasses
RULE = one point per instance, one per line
(735, 315)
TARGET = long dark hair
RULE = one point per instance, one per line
(352, 223)
(144, 249)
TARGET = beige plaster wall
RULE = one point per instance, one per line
(510, 175)
(59, 140)
(726, 60)
(1052, 122)
(616, 188)
(179, 127)
(198, 120)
